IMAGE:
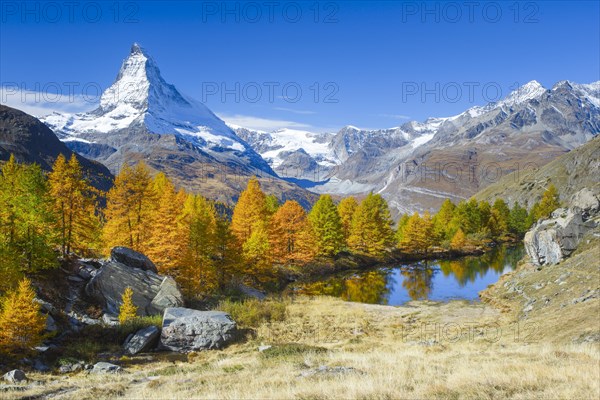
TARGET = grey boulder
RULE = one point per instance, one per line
(143, 340)
(132, 258)
(152, 293)
(185, 330)
(15, 376)
(106, 368)
(553, 239)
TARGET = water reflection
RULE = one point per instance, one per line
(459, 279)
(369, 287)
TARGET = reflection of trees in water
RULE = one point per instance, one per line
(374, 286)
(418, 281)
(370, 287)
(468, 269)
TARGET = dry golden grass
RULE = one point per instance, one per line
(395, 353)
(422, 350)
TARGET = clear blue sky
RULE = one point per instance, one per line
(376, 54)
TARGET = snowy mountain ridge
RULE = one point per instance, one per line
(141, 96)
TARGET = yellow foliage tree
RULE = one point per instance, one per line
(166, 241)
(418, 234)
(371, 231)
(257, 254)
(290, 235)
(128, 310)
(549, 202)
(198, 274)
(346, 210)
(75, 202)
(129, 208)
(21, 323)
(250, 209)
(459, 240)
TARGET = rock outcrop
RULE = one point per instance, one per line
(551, 240)
(133, 259)
(185, 330)
(152, 293)
(143, 340)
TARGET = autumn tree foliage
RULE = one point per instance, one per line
(27, 225)
(290, 235)
(21, 323)
(75, 206)
(548, 203)
(371, 231)
(442, 228)
(346, 209)
(327, 226)
(166, 238)
(198, 274)
(257, 254)
(400, 227)
(459, 240)
(272, 204)
(249, 224)
(418, 234)
(128, 310)
(130, 203)
(250, 211)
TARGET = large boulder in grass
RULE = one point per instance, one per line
(551, 240)
(132, 258)
(185, 330)
(152, 293)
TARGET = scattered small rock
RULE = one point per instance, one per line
(324, 370)
(72, 367)
(15, 376)
(106, 368)
(589, 294)
(110, 319)
(264, 348)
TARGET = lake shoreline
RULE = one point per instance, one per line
(440, 279)
(346, 262)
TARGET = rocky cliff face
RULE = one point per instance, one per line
(552, 240)
(33, 142)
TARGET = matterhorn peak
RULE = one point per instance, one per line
(136, 49)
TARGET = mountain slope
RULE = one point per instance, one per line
(142, 117)
(417, 165)
(455, 157)
(33, 142)
(571, 172)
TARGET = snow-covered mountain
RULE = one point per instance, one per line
(309, 155)
(142, 117)
(141, 99)
(415, 165)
